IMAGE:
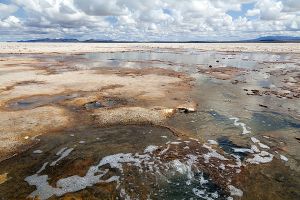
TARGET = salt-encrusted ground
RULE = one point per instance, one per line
(13, 47)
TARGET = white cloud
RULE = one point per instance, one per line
(149, 19)
(9, 22)
(7, 10)
(269, 9)
(291, 5)
(101, 7)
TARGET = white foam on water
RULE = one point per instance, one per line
(175, 143)
(116, 160)
(203, 194)
(165, 150)
(63, 153)
(95, 174)
(75, 183)
(263, 146)
(202, 180)
(254, 140)
(243, 150)
(212, 142)
(184, 168)
(179, 166)
(282, 157)
(38, 151)
(212, 154)
(42, 168)
(243, 125)
(61, 150)
(262, 157)
(222, 166)
(65, 185)
(198, 193)
(254, 148)
(150, 149)
(235, 191)
(238, 163)
(124, 195)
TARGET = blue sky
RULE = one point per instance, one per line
(148, 19)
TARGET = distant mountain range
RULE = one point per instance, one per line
(260, 39)
(276, 39)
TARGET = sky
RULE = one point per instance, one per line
(148, 20)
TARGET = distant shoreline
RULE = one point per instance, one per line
(77, 47)
(171, 42)
(266, 39)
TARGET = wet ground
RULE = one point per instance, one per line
(234, 133)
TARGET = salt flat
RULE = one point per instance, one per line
(197, 119)
(19, 47)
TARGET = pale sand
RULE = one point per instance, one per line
(20, 127)
(13, 47)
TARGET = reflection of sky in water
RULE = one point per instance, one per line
(262, 121)
(186, 59)
(270, 121)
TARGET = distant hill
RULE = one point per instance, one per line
(275, 39)
(50, 40)
(98, 41)
(264, 39)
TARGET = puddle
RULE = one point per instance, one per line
(107, 103)
(93, 105)
(38, 101)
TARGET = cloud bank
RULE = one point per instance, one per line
(148, 19)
